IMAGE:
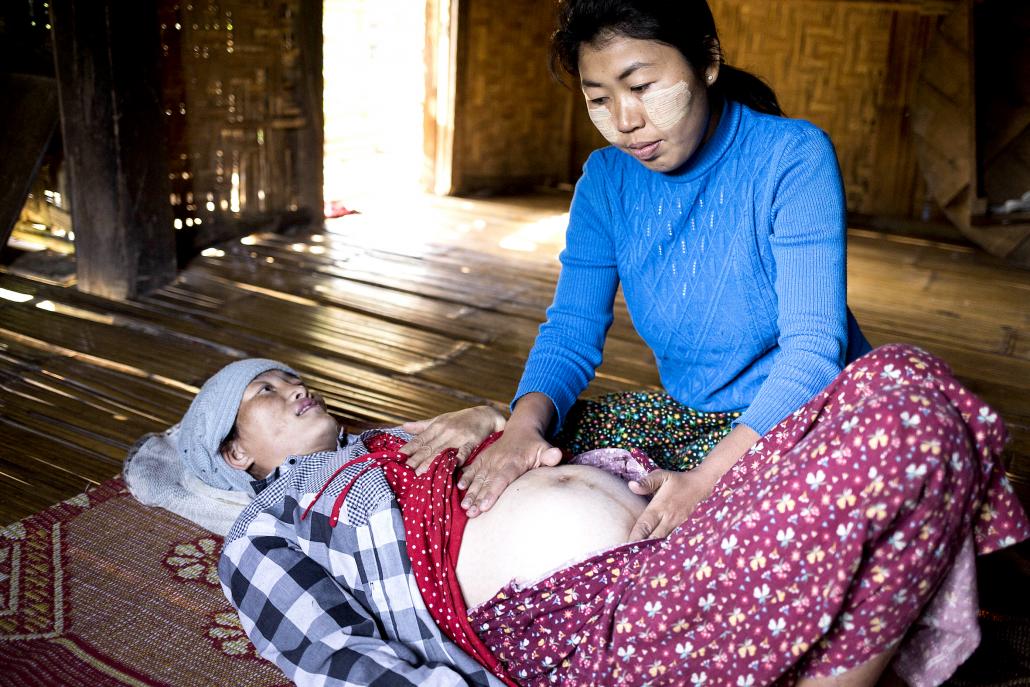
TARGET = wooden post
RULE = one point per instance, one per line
(106, 55)
(441, 58)
(311, 138)
(30, 120)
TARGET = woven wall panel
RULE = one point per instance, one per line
(836, 65)
(510, 117)
(232, 94)
(848, 67)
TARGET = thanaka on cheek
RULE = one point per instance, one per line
(602, 119)
(668, 106)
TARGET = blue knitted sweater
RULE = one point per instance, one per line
(733, 269)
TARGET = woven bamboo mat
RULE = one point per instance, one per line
(99, 590)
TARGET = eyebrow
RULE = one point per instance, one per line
(282, 374)
(628, 71)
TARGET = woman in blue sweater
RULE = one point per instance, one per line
(724, 222)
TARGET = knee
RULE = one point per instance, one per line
(901, 364)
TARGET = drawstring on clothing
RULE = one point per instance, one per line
(375, 460)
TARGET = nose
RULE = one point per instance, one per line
(298, 392)
(628, 115)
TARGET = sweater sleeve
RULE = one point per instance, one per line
(808, 247)
(568, 347)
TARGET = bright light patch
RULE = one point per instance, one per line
(47, 305)
(15, 296)
(213, 253)
(528, 238)
(234, 192)
(26, 244)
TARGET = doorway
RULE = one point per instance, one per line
(374, 74)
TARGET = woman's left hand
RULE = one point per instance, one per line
(463, 430)
(676, 494)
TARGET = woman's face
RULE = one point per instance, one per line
(644, 97)
(279, 417)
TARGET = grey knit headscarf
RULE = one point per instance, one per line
(210, 418)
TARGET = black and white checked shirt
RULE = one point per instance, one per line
(337, 605)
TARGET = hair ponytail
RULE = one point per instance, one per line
(746, 88)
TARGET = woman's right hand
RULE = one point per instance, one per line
(520, 449)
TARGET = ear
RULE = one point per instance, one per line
(236, 457)
(711, 74)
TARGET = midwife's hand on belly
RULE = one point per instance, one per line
(463, 430)
(676, 494)
(518, 451)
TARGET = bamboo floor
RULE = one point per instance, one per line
(407, 311)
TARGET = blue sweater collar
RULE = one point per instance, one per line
(712, 151)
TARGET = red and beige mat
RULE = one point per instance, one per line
(101, 590)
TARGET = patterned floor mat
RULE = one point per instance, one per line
(101, 590)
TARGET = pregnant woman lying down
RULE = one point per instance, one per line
(809, 562)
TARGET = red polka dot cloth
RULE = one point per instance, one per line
(434, 523)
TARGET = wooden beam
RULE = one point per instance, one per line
(107, 55)
(311, 137)
(30, 119)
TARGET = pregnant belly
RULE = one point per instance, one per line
(546, 519)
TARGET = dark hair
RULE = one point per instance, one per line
(226, 444)
(686, 25)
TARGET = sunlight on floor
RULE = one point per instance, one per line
(517, 227)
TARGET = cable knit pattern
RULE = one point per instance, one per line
(733, 269)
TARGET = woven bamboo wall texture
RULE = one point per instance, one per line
(510, 117)
(232, 92)
(830, 63)
(848, 67)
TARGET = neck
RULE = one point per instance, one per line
(714, 115)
